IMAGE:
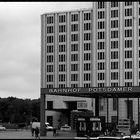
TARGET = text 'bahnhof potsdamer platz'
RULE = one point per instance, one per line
(96, 47)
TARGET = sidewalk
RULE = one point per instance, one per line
(60, 135)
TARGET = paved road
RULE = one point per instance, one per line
(26, 134)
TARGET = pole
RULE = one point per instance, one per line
(42, 116)
(97, 106)
(138, 115)
(117, 110)
(107, 113)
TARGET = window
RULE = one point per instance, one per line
(128, 3)
(74, 27)
(128, 33)
(49, 68)
(101, 66)
(50, 48)
(74, 85)
(74, 67)
(114, 55)
(128, 84)
(114, 44)
(114, 65)
(74, 77)
(114, 13)
(50, 19)
(114, 34)
(128, 12)
(74, 47)
(101, 14)
(74, 57)
(114, 75)
(62, 58)
(101, 76)
(49, 85)
(62, 28)
(128, 22)
(62, 38)
(101, 5)
(62, 85)
(128, 54)
(50, 29)
(87, 76)
(101, 45)
(128, 75)
(87, 46)
(87, 26)
(74, 37)
(101, 55)
(101, 25)
(62, 48)
(62, 77)
(62, 18)
(62, 68)
(87, 85)
(114, 4)
(101, 84)
(128, 43)
(49, 78)
(87, 66)
(87, 56)
(49, 39)
(49, 58)
(49, 105)
(128, 64)
(87, 16)
(114, 84)
(114, 23)
(74, 17)
(87, 36)
(101, 35)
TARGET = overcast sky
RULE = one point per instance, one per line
(20, 36)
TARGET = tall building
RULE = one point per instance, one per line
(96, 47)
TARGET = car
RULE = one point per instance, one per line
(2, 128)
(65, 128)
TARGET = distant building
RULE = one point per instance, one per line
(97, 47)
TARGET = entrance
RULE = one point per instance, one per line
(50, 120)
(92, 92)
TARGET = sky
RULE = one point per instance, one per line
(20, 45)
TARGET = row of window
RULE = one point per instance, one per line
(62, 18)
(74, 47)
(112, 4)
(87, 66)
(101, 84)
(87, 56)
(87, 76)
(87, 26)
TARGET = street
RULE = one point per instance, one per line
(26, 134)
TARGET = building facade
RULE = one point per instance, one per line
(96, 47)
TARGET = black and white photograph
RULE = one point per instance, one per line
(70, 70)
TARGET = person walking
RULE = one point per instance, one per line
(37, 133)
(54, 131)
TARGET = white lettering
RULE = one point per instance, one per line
(119, 89)
(114, 89)
(129, 88)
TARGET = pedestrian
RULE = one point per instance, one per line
(37, 133)
(32, 130)
(54, 131)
